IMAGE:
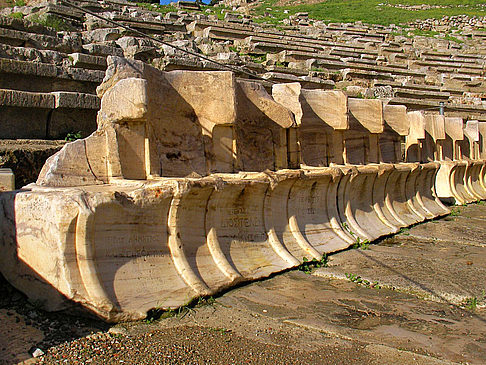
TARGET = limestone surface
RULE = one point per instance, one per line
(196, 181)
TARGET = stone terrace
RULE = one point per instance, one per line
(48, 78)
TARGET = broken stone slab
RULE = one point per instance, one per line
(39, 41)
(103, 49)
(25, 99)
(25, 25)
(81, 60)
(242, 128)
(100, 35)
(46, 115)
(7, 180)
(31, 54)
(44, 77)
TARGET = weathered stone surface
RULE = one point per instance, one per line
(152, 196)
(395, 117)
(434, 133)
(320, 116)
(46, 115)
(368, 113)
(7, 180)
(82, 60)
(454, 133)
(397, 126)
(482, 140)
(416, 134)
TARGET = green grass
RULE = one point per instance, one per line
(369, 11)
(359, 243)
(219, 11)
(17, 15)
(51, 21)
(180, 312)
(163, 9)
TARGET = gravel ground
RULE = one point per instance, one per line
(26, 328)
(65, 339)
(183, 345)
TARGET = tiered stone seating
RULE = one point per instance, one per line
(194, 181)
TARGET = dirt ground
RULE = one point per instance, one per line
(414, 298)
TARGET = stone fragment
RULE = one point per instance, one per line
(366, 113)
(7, 179)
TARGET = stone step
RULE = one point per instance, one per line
(32, 54)
(103, 49)
(403, 92)
(474, 57)
(24, 25)
(81, 60)
(307, 82)
(420, 87)
(460, 109)
(350, 74)
(77, 60)
(454, 59)
(295, 56)
(451, 64)
(64, 11)
(46, 115)
(19, 38)
(44, 77)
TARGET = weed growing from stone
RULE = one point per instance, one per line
(473, 302)
(362, 244)
(307, 266)
(160, 313)
(359, 280)
(404, 232)
(73, 136)
(455, 212)
(220, 330)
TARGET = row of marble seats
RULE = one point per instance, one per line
(196, 181)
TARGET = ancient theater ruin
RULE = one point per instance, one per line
(195, 181)
(191, 178)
